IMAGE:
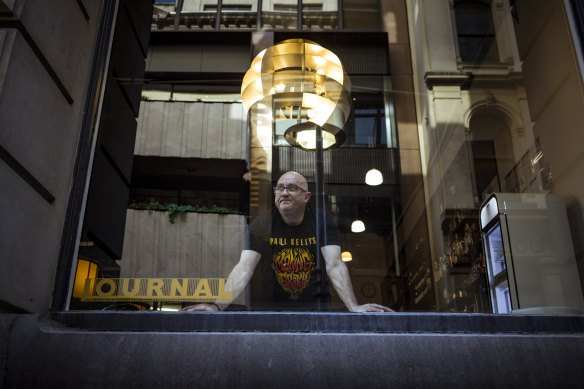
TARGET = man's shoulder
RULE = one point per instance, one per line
(263, 221)
(266, 215)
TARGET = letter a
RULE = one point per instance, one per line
(203, 290)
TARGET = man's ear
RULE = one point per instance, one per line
(307, 196)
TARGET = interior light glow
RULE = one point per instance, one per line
(358, 226)
(346, 256)
(374, 177)
(307, 139)
(85, 269)
(280, 88)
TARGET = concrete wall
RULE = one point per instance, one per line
(44, 67)
(293, 351)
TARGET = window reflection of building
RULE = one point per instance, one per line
(475, 31)
(188, 186)
(478, 139)
(360, 14)
(313, 15)
(479, 129)
(279, 15)
(188, 117)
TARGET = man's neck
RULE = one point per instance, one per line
(292, 219)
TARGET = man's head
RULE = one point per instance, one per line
(291, 194)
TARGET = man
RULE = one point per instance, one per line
(287, 237)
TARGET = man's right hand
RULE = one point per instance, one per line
(201, 308)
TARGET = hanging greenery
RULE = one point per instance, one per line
(174, 210)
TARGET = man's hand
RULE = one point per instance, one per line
(201, 308)
(371, 308)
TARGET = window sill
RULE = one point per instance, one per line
(275, 322)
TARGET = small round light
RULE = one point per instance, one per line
(346, 256)
(373, 177)
(358, 226)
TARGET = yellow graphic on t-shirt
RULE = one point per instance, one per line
(293, 267)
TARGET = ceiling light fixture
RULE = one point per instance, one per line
(303, 82)
(374, 177)
(358, 226)
(346, 256)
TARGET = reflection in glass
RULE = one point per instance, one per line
(367, 124)
(238, 15)
(279, 14)
(201, 172)
(320, 15)
(360, 14)
(476, 32)
(184, 15)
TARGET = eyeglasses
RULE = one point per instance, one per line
(291, 188)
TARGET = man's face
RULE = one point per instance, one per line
(289, 200)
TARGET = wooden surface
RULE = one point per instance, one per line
(196, 245)
(191, 130)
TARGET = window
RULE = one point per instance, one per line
(205, 180)
(280, 16)
(475, 31)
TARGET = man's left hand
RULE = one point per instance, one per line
(371, 308)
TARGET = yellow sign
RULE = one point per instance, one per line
(156, 289)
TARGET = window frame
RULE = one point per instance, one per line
(236, 322)
(458, 35)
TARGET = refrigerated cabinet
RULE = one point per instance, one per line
(531, 266)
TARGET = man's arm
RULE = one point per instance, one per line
(237, 280)
(339, 275)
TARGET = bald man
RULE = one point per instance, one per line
(286, 240)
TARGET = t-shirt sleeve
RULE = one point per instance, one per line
(258, 233)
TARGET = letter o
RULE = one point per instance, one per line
(101, 283)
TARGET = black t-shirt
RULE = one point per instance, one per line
(286, 276)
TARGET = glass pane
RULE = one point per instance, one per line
(366, 126)
(164, 15)
(207, 179)
(360, 15)
(279, 14)
(181, 198)
(320, 15)
(239, 15)
(477, 48)
(473, 18)
(476, 32)
(197, 15)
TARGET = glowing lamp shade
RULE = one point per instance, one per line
(307, 139)
(373, 177)
(346, 256)
(85, 269)
(302, 86)
(358, 226)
